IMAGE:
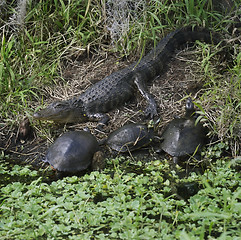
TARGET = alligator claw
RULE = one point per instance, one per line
(100, 126)
(150, 111)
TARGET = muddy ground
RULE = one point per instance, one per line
(182, 77)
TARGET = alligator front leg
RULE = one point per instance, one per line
(151, 109)
(101, 118)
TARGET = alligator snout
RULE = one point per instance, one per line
(36, 115)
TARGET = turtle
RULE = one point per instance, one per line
(25, 130)
(183, 136)
(130, 137)
(73, 152)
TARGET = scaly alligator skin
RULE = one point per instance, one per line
(119, 87)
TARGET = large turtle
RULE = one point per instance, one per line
(130, 137)
(73, 152)
(183, 136)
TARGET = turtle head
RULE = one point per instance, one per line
(189, 107)
(68, 111)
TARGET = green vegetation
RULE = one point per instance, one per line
(124, 205)
(118, 203)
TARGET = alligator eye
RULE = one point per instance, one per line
(59, 105)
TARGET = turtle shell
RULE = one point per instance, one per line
(72, 152)
(130, 137)
(182, 136)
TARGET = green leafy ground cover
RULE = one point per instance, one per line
(116, 203)
(123, 205)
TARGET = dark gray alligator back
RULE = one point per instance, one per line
(118, 88)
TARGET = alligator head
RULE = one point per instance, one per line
(68, 111)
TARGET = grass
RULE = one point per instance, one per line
(128, 200)
(32, 56)
(221, 100)
(56, 31)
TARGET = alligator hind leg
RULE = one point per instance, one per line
(151, 109)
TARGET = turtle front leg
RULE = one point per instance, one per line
(98, 161)
(175, 160)
(151, 109)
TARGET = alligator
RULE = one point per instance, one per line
(119, 87)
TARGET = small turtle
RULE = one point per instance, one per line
(182, 136)
(73, 152)
(130, 137)
(25, 130)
